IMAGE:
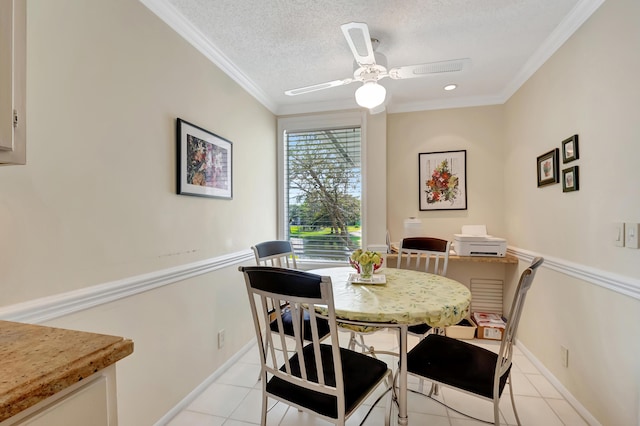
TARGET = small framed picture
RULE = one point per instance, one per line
(570, 181)
(204, 162)
(570, 149)
(548, 168)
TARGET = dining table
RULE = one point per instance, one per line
(397, 298)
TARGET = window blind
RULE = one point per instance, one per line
(323, 192)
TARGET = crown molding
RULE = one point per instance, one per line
(315, 107)
(471, 101)
(174, 19)
(580, 13)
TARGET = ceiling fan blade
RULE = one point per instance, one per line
(357, 35)
(421, 70)
(320, 86)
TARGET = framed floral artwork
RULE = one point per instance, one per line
(443, 180)
(548, 168)
(570, 149)
(204, 162)
(570, 180)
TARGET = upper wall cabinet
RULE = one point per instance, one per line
(13, 76)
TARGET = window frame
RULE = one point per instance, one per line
(319, 122)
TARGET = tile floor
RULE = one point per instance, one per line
(235, 399)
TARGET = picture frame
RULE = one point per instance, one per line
(442, 181)
(570, 149)
(204, 162)
(570, 179)
(548, 168)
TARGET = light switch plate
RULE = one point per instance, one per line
(631, 235)
(618, 234)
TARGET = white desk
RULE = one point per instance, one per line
(409, 297)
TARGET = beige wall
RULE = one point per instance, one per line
(96, 201)
(477, 130)
(375, 185)
(588, 87)
(174, 329)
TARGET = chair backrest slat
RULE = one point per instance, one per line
(434, 251)
(316, 347)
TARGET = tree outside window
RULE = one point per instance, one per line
(323, 181)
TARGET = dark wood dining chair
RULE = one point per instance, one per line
(322, 379)
(426, 254)
(470, 368)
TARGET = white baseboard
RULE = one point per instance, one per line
(187, 400)
(586, 415)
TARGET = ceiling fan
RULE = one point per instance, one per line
(371, 66)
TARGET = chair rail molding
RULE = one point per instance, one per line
(615, 282)
(47, 308)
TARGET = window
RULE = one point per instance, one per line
(322, 181)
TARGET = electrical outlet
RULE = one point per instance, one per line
(220, 339)
(618, 234)
(564, 353)
(631, 235)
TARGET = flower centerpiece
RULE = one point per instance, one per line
(365, 262)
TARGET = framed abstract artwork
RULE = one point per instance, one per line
(204, 162)
(442, 180)
(548, 168)
(570, 149)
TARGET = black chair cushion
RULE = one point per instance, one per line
(323, 325)
(455, 363)
(419, 329)
(360, 374)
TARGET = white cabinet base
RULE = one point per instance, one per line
(92, 401)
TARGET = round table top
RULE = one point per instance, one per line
(408, 297)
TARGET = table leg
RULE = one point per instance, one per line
(402, 379)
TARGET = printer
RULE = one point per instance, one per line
(474, 241)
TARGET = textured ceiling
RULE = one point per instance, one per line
(269, 46)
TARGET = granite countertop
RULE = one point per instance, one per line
(36, 361)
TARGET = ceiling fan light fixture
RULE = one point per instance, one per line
(370, 94)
